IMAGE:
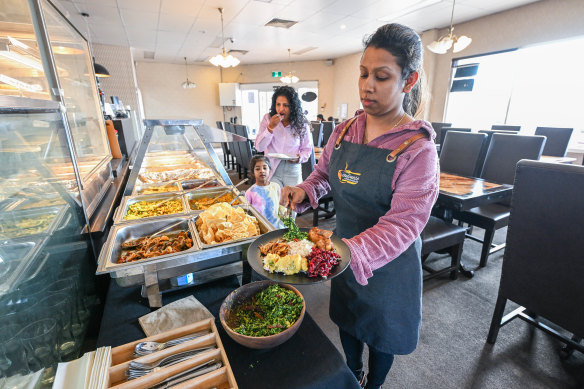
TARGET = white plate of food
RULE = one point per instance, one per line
(282, 156)
(299, 261)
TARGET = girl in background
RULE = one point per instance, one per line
(264, 195)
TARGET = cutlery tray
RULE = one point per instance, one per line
(221, 378)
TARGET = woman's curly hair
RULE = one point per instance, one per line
(297, 119)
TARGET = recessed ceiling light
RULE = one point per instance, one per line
(343, 26)
(281, 23)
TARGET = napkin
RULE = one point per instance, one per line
(176, 314)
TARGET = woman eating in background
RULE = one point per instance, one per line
(285, 130)
(382, 169)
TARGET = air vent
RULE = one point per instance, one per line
(237, 51)
(280, 23)
(148, 54)
(304, 50)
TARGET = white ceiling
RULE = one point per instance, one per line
(174, 29)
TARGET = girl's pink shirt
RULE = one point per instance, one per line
(415, 189)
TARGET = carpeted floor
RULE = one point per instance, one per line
(452, 352)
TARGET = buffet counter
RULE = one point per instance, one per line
(307, 360)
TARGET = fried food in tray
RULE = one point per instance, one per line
(25, 226)
(152, 189)
(206, 202)
(222, 222)
(147, 247)
(151, 177)
(141, 209)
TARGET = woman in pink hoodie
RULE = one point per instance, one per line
(382, 169)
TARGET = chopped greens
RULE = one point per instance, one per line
(293, 230)
(269, 312)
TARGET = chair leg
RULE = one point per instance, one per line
(456, 254)
(315, 217)
(496, 321)
(489, 234)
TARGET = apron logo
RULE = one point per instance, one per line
(348, 177)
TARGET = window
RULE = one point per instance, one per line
(534, 86)
(257, 99)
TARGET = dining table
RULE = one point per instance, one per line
(308, 360)
(459, 193)
(556, 159)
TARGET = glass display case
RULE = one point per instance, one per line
(42, 56)
(176, 167)
(46, 276)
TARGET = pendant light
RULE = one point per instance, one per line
(444, 43)
(98, 69)
(289, 78)
(188, 84)
(224, 60)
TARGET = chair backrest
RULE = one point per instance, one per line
(233, 146)
(438, 126)
(327, 130)
(224, 145)
(489, 133)
(543, 267)
(460, 153)
(557, 140)
(445, 130)
(244, 147)
(505, 151)
(308, 166)
(316, 128)
(505, 127)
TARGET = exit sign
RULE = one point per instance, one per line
(276, 74)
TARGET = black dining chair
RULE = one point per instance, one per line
(461, 152)
(557, 141)
(327, 130)
(224, 147)
(317, 133)
(245, 150)
(233, 148)
(445, 130)
(438, 126)
(499, 167)
(443, 236)
(323, 202)
(505, 127)
(543, 266)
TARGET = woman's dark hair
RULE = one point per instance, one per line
(330, 119)
(320, 116)
(406, 46)
(297, 118)
(256, 159)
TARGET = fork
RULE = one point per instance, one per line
(138, 369)
(146, 348)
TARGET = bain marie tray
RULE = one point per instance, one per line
(112, 250)
(210, 193)
(129, 200)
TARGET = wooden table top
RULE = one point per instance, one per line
(550, 158)
(463, 193)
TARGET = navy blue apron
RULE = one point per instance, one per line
(386, 314)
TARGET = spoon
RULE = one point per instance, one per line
(145, 348)
(227, 190)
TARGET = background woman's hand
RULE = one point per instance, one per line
(274, 122)
(291, 196)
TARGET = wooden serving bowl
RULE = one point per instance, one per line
(245, 292)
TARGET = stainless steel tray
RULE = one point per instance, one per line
(264, 224)
(139, 189)
(12, 216)
(129, 200)
(112, 250)
(18, 260)
(211, 192)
